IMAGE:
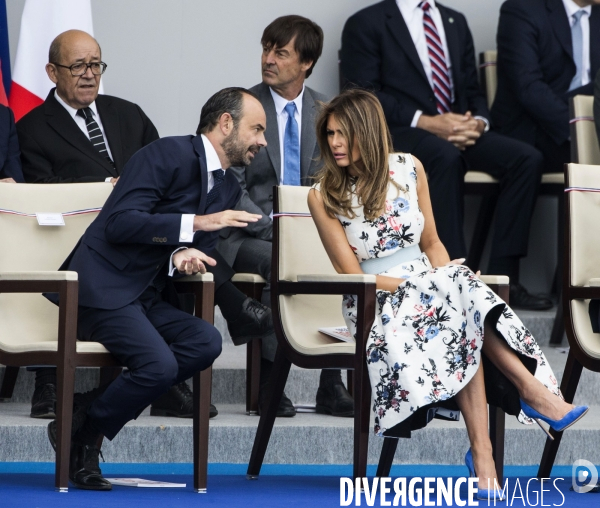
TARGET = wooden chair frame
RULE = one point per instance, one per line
(67, 359)
(577, 359)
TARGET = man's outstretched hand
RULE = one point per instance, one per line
(192, 261)
(225, 219)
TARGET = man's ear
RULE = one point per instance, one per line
(306, 65)
(226, 124)
(51, 70)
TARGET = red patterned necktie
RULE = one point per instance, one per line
(437, 57)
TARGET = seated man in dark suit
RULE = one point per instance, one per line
(548, 51)
(597, 104)
(419, 59)
(172, 199)
(291, 48)
(10, 162)
(77, 135)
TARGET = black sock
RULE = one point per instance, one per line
(88, 434)
(505, 265)
(230, 300)
(44, 376)
(328, 375)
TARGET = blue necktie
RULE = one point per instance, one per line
(218, 179)
(577, 38)
(291, 148)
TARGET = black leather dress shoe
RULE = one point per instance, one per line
(333, 399)
(520, 298)
(177, 402)
(254, 321)
(285, 410)
(43, 402)
(84, 468)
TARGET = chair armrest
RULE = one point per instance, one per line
(198, 277)
(337, 278)
(594, 283)
(501, 280)
(37, 276)
(252, 278)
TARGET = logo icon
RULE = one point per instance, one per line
(584, 475)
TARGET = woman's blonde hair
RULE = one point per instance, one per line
(361, 120)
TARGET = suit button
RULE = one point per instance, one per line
(155, 239)
(184, 236)
(431, 99)
(270, 197)
(163, 239)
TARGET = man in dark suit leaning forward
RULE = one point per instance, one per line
(172, 199)
(291, 47)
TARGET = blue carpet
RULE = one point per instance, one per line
(291, 486)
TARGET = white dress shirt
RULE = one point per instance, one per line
(186, 230)
(413, 17)
(282, 118)
(80, 121)
(571, 7)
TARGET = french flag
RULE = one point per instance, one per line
(41, 22)
(4, 56)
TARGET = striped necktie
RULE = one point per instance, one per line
(96, 137)
(439, 67)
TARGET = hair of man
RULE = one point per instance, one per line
(362, 121)
(307, 35)
(228, 100)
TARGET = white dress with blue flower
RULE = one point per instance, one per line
(425, 343)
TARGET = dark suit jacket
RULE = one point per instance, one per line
(535, 69)
(258, 179)
(378, 53)
(597, 104)
(10, 162)
(54, 150)
(132, 238)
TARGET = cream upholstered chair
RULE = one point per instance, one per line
(584, 139)
(584, 150)
(306, 295)
(581, 283)
(36, 332)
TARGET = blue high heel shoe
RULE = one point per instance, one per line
(557, 425)
(482, 494)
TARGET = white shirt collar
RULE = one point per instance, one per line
(415, 4)
(571, 7)
(73, 111)
(281, 103)
(212, 159)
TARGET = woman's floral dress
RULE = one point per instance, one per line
(425, 343)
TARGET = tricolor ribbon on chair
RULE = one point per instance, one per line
(64, 214)
(581, 119)
(581, 189)
(292, 214)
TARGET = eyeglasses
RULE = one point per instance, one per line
(79, 69)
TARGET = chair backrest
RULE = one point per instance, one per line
(583, 212)
(27, 246)
(584, 139)
(300, 251)
(487, 74)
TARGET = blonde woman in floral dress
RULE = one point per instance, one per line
(434, 316)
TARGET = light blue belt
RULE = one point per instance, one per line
(384, 264)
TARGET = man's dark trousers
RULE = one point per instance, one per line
(159, 345)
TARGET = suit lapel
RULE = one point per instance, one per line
(397, 26)
(308, 137)
(59, 119)
(453, 44)
(560, 25)
(272, 132)
(199, 149)
(112, 128)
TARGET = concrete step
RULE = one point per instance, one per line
(307, 438)
(229, 378)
